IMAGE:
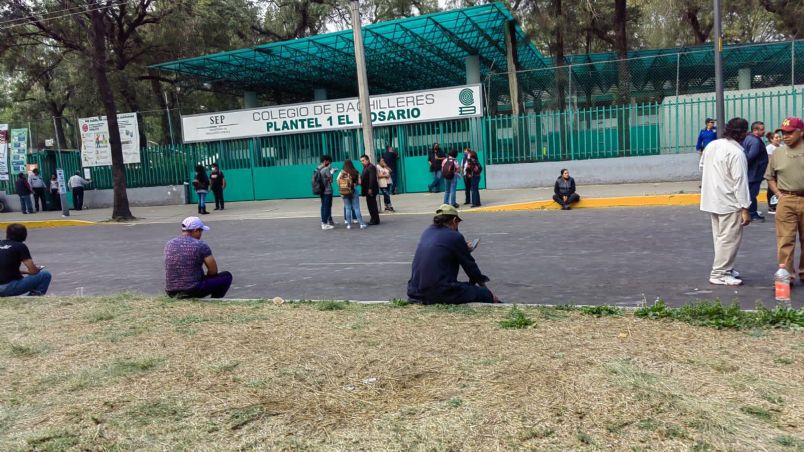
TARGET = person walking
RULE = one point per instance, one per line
(467, 178)
(450, 170)
(24, 192)
(384, 175)
(757, 157)
(564, 190)
(473, 169)
(774, 140)
(55, 196)
(185, 259)
(707, 135)
(201, 185)
(369, 188)
(435, 157)
(348, 180)
(77, 185)
(323, 177)
(38, 186)
(785, 175)
(725, 196)
(391, 157)
(15, 254)
(217, 185)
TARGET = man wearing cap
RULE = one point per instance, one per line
(439, 254)
(757, 158)
(706, 136)
(785, 175)
(185, 258)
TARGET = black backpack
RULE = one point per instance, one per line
(449, 169)
(318, 182)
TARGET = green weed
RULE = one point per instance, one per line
(398, 303)
(124, 367)
(102, 315)
(757, 412)
(789, 441)
(602, 311)
(25, 351)
(151, 412)
(332, 305)
(55, 440)
(240, 417)
(585, 438)
(714, 314)
(455, 402)
(515, 319)
(537, 433)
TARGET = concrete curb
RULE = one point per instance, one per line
(681, 199)
(45, 224)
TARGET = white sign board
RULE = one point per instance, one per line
(95, 148)
(61, 182)
(4, 151)
(387, 109)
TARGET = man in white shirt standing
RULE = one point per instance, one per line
(77, 184)
(725, 195)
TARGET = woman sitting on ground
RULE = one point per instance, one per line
(565, 190)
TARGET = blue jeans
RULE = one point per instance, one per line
(475, 190)
(25, 204)
(386, 195)
(753, 192)
(32, 285)
(436, 183)
(352, 203)
(449, 190)
(326, 208)
(202, 199)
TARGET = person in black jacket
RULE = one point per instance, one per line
(217, 184)
(370, 186)
(565, 190)
(24, 191)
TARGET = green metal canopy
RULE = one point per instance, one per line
(427, 51)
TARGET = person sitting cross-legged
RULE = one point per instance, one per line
(440, 253)
(564, 190)
(13, 254)
(185, 259)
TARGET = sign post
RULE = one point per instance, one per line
(720, 110)
(362, 82)
(65, 211)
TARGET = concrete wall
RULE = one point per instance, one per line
(621, 170)
(95, 199)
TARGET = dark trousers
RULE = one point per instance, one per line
(326, 208)
(374, 212)
(55, 200)
(570, 199)
(457, 293)
(467, 189)
(394, 181)
(753, 192)
(475, 191)
(78, 198)
(218, 192)
(216, 286)
(39, 198)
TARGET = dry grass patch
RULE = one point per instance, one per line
(132, 373)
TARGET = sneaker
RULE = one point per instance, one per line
(348, 226)
(355, 221)
(363, 226)
(771, 212)
(733, 273)
(327, 227)
(758, 218)
(725, 280)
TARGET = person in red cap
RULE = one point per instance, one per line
(785, 175)
(185, 259)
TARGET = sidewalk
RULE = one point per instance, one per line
(415, 203)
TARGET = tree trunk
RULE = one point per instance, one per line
(121, 210)
(562, 75)
(56, 112)
(623, 76)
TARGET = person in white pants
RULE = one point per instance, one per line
(725, 195)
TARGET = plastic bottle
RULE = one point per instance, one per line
(782, 283)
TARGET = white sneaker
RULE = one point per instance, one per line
(363, 226)
(725, 280)
(354, 222)
(327, 227)
(348, 226)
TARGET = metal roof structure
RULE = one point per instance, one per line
(413, 53)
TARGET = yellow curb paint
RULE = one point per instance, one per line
(683, 199)
(42, 224)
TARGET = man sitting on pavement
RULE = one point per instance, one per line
(13, 253)
(185, 257)
(441, 250)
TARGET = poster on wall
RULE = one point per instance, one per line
(95, 148)
(3, 151)
(19, 150)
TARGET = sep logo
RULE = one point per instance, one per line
(217, 119)
(467, 100)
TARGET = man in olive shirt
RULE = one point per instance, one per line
(785, 175)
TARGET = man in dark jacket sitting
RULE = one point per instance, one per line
(565, 190)
(441, 250)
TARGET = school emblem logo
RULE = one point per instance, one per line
(467, 100)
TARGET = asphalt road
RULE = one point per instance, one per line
(620, 256)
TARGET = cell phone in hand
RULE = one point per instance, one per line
(474, 244)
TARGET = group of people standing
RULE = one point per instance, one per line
(203, 184)
(733, 169)
(446, 167)
(352, 185)
(35, 186)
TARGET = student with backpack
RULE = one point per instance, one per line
(347, 183)
(322, 186)
(474, 169)
(450, 171)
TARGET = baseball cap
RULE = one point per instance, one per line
(447, 209)
(792, 124)
(193, 223)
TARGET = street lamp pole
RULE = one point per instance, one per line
(362, 82)
(720, 109)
